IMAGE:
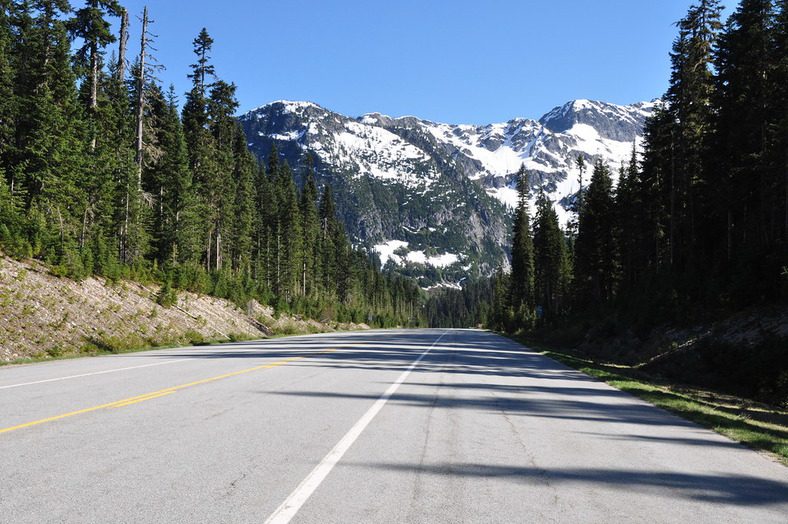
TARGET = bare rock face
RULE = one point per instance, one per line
(445, 189)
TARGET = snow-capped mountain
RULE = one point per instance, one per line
(433, 197)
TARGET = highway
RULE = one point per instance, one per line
(421, 426)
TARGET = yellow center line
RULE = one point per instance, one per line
(143, 399)
(160, 393)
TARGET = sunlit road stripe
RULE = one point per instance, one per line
(92, 374)
(160, 393)
(289, 508)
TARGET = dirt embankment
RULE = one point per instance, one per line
(42, 315)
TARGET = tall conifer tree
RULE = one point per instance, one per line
(551, 263)
(522, 280)
(596, 266)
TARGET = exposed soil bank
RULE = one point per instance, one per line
(42, 315)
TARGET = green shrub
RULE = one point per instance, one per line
(194, 338)
(167, 296)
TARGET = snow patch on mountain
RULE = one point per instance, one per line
(386, 251)
(381, 154)
(444, 260)
(397, 251)
(547, 148)
(507, 195)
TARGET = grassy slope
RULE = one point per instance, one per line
(757, 426)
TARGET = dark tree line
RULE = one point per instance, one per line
(102, 173)
(703, 219)
(697, 225)
(460, 308)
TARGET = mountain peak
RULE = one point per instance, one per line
(442, 189)
(291, 106)
(610, 121)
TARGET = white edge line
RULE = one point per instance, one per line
(289, 508)
(91, 374)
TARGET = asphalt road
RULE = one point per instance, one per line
(385, 426)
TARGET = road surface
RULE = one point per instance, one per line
(384, 426)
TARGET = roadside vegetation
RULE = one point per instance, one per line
(759, 426)
(677, 274)
(102, 174)
(681, 268)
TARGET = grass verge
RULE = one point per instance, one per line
(758, 426)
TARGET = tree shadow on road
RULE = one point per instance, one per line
(737, 490)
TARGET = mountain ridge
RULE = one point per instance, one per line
(437, 191)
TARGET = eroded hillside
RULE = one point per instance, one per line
(42, 315)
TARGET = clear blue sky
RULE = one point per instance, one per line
(452, 61)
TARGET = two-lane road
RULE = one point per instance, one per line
(381, 426)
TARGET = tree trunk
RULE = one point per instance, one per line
(94, 71)
(124, 237)
(672, 237)
(208, 252)
(218, 248)
(124, 39)
(84, 227)
(141, 96)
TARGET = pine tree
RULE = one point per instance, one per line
(779, 131)
(49, 141)
(596, 268)
(328, 238)
(7, 99)
(141, 191)
(202, 70)
(742, 152)
(261, 237)
(89, 24)
(201, 148)
(245, 170)
(111, 164)
(10, 218)
(174, 227)
(522, 280)
(498, 319)
(629, 220)
(221, 211)
(551, 262)
(652, 193)
(12, 238)
(290, 231)
(345, 270)
(268, 193)
(274, 219)
(580, 162)
(310, 221)
(689, 102)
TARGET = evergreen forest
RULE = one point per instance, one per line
(697, 226)
(106, 172)
(103, 171)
